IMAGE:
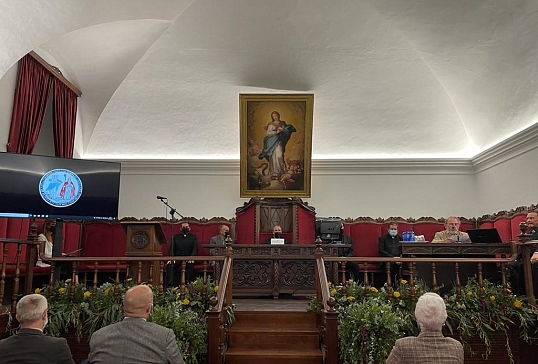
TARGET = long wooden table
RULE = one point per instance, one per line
(445, 271)
(275, 269)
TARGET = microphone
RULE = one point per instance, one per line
(161, 198)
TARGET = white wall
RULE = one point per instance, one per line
(508, 185)
(214, 191)
(7, 89)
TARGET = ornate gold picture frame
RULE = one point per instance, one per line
(276, 144)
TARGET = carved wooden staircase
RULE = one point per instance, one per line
(268, 337)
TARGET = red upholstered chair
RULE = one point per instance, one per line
(256, 219)
(102, 239)
(364, 235)
(246, 225)
(514, 225)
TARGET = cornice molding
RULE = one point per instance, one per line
(319, 167)
(520, 143)
(512, 147)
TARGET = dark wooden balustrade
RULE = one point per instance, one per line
(217, 319)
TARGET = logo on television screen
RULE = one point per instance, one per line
(60, 187)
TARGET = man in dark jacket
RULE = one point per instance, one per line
(30, 345)
(389, 246)
(183, 244)
(517, 278)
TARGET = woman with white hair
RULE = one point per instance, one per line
(430, 346)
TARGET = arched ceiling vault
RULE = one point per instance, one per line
(391, 78)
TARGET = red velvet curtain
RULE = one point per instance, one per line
(31, 97)
(64, 119)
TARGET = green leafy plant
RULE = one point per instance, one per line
(371, 320)
(367, 331)
(484, 310)
(76, 306)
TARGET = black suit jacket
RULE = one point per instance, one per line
(33, 347)
(184, 245)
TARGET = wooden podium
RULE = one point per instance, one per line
(144, 239)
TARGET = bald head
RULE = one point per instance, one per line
(138, 301)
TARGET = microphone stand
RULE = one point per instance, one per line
(173, 211)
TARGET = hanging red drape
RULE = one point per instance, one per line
(64, 119)
(29, 105)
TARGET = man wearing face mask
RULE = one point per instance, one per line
(277, 234)
(389, 246)
(30, 345)
(134, 340)
(184, 244)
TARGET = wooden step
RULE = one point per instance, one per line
(259, 339)
(270, 337)
(273, 357)
(275, 319)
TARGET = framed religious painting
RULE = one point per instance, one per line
(276, 144)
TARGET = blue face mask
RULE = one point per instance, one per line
(393, 232)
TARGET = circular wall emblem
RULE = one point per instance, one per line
(60, 187)
(140, 240)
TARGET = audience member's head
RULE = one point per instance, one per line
(532, 219)
(277, 231)
(224, 230)
(392, 228)
(49, 226)
(452, 224)
(430, 312)
(32, 311)
(138, 302)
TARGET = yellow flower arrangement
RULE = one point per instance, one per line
(469, 293)
(37, 290)
(333, 291)
(492, 298)
(373, 289)
(106, 291)
(517, 304)
(87, 294)
(403, 281)
(62, 290)
(216, 289)
(350, 298)
(68, 280)
(396, 294)
(186, 302)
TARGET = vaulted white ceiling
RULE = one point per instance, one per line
(391, 78)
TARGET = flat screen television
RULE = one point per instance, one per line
(58, 188)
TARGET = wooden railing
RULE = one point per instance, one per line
(20, 267)
(139, 268)
(328, 317)
(217, 316)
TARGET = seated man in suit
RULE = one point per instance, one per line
(451, 233)
(134, 340)
(389, 246)
(431, 346)
(30, 345)
(224, 232)
(277, 234)
(517, 277)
